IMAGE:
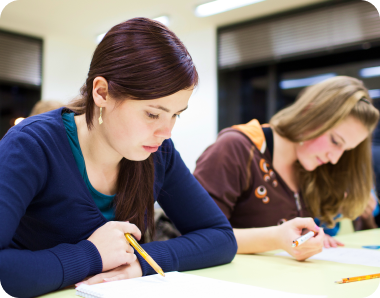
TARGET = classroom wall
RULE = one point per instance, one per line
(65, 66)
(197, 127)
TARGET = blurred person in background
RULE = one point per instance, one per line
(313, 160)
(43, 106)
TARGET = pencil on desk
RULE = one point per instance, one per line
(144, 254)
(358, 278)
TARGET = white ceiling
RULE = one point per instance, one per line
(86, 19)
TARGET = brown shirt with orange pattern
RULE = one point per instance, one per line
(237, 172)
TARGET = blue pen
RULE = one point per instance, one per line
(371, 246)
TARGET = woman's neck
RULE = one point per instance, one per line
(102, 162)
(284, 157)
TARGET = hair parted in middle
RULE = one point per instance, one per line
(343, 187)
(140, 59)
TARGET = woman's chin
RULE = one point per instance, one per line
(309, 167)
(138, 157)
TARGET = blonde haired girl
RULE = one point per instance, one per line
(313, 159)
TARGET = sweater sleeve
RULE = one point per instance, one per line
(224, 169)
(207, 237)
(26, 273)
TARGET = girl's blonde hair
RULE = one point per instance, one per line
(344, 187)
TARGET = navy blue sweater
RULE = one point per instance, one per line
(47, 213)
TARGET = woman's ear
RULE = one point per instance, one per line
(100, 91)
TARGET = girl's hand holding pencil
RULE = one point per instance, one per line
(110, 241)
(118, 257)
(292, 230)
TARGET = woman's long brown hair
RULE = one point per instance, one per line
(345, 186)
(141, 59)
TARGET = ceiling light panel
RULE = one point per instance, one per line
(218, 6)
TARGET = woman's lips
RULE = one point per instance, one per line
(320, 161)
(151, 149)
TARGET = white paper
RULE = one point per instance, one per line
(177, 284)
(367, 257)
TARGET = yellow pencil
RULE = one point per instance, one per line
(358, 278)
(144, 254)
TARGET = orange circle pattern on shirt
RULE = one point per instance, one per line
(264, 165)
(266, 178)
(260, 192)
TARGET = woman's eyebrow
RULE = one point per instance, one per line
(165, 109)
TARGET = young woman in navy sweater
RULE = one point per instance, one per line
(74, 180)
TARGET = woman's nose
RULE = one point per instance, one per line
(334, 155)
(165, 131)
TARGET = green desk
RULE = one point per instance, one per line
(285, 274)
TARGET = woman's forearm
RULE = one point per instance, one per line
(256, 240)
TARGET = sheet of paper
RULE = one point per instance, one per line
(367, 257)
(177, 284)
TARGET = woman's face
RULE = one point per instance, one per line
(136, 128)
(329, 147)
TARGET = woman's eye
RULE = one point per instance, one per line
(333, 141)
(176, 115)
(152, 116)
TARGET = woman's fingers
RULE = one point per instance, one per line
(105, 277)
(326, 243)
(316, 242)
(306, 223)
(95, 279)
(311, 247)
(129, 258)
(127, 227)
(129, 249)
(114, 278)
(112, 245)
(331, 242)
(302, 255)
(119, 273)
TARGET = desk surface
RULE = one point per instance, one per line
(285, 274)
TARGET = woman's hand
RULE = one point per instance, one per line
(292, 229)
(132, 270)
(331, 242)
(113, 248)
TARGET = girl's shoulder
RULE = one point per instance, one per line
(45, 131)
(39, 125)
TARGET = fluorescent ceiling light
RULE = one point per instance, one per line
(370, 72)
(296, 83)
(162, 19)
(219, 6)
(100, 37)
(374, 93)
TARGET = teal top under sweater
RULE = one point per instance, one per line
(104, 202)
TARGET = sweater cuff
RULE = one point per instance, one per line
(160, 254)
(78, 261)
